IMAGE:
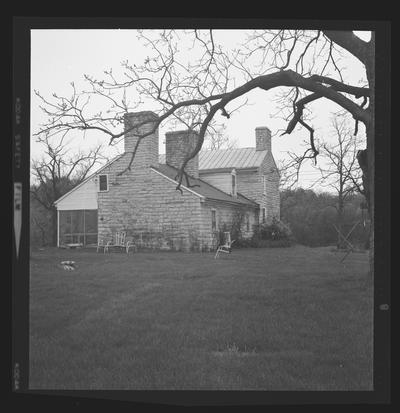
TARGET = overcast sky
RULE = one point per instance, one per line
(59, 57)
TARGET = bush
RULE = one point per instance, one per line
(256, 242)
(275, 234)
(276, 231)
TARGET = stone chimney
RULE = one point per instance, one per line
(178, 145)
(263, 139)
(147, 153)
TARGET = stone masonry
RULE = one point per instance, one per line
(225, 213)
(178, 145)
(145, 203)
(147, 152)
(263, 139)
(148, 207)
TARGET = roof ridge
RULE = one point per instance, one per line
(228, 149)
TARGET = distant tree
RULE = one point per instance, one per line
(40, 224)
(311, 216)
(217, 139)
(55, 173)
(342, 173)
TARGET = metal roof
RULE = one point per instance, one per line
(228, 158)
(204, 188)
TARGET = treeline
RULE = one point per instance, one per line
(312, 218)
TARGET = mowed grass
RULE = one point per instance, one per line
(257, 319)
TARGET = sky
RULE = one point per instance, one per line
(59, 57)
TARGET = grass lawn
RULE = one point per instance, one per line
(257, 319)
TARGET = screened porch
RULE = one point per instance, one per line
(77, 226)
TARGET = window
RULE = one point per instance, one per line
(264, 181)
(103, 183)
(213, 220)
(233, 174)
(247, 222)
(264, 213)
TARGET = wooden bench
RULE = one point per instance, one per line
(119, 241)
(74, 245)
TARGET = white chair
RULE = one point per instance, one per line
(119, 240)
(100, 244)
(227, 246)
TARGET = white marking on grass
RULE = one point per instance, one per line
(234, 350)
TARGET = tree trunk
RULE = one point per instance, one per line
(340, 242)
(371, 190)
(370, 132)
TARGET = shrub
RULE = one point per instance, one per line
(275, 231)
(255, 242)
(273, 235)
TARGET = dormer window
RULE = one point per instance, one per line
(103, 183)
(234, 186)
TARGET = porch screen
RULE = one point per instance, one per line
(78, 226)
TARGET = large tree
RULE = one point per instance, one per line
(190, 77)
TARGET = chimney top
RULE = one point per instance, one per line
(178, 145)
(263, 138)
(181, 132)
(137, 123)
(143, 113)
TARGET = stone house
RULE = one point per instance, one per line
(226, 186)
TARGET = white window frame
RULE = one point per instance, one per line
(108, 186)
(264, 181)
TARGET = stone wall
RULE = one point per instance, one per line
(147, 206)
(225, 214)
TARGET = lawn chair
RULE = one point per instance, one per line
(227, 246)
(100, 244)
(119, 241)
